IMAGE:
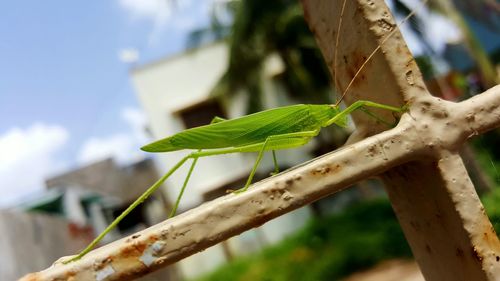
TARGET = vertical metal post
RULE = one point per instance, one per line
(433, 197)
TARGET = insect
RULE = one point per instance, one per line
(266, 131)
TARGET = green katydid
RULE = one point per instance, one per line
(275, 129)
(270, 130)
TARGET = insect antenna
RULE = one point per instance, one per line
(371, 54)
(337, 39)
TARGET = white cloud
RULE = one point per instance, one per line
(128, 55)
(137, 122)
(123, 147)
(185, 24)
(156, 11)
(28, 156)
(179, 15)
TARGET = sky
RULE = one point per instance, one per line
(66, 98)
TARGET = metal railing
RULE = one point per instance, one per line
(436, 204)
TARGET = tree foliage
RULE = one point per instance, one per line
(264, 28)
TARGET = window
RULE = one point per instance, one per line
(201, 113)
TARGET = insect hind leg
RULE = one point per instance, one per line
(278, 141)
(186, 180)
(378, 118)
(216, 119)
(362, 104)
(275, 162)
(132, 206)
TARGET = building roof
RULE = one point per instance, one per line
(109, 179)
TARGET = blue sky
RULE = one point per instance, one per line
(66, 97)
(65, 94)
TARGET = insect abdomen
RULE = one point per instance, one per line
(246, 130)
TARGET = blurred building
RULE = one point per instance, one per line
(174, 93)
(83, 202)
(96, 194)
(32, 242)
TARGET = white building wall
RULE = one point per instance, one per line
(73, 209)
(173, 84)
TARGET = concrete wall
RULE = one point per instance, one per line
(32, 242)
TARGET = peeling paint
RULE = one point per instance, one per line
(152, 252)
(104, 273)
(409, 78)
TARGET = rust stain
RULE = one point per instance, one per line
(327, 169)
(356, 61)
(489, 240)
(428, 248)
(336, 169)
(153, 238)
(134, 249)
(373, 150)
(71, 274)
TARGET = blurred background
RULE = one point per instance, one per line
(84, 85)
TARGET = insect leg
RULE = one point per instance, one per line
(289, 140)
(376, 117)
(176, 205)
(150, 190)
(216, 119)
(255, 166)
(362, 103)
(278, 140)
(275, 161)
(256, 147)
(132, 206)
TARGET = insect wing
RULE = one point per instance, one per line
(248, 129)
